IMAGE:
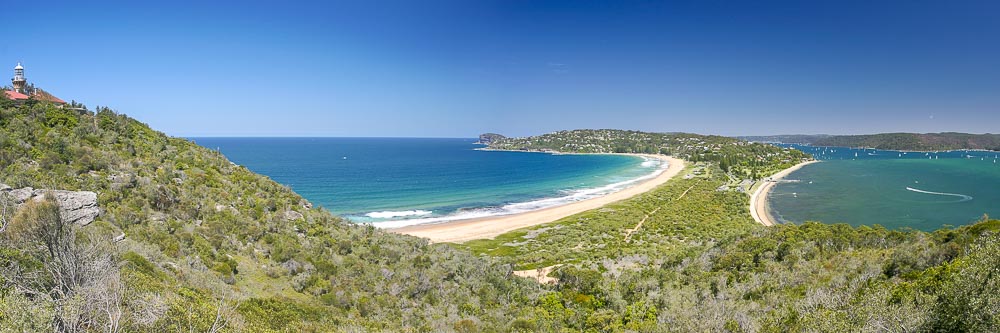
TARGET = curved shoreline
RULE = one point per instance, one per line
(759, 208)
(488, 227)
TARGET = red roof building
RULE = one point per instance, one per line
(43, 95)
(15, 95)
(23, 92)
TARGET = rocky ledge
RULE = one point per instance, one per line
(78, 207)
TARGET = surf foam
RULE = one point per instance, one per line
(521, 207)
(392, 214)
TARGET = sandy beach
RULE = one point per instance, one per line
(489, 227)
(759, 208)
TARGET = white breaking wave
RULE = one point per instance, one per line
(521, 207)
(963, 196)
(391, 214)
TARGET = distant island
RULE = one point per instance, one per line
(893, 141)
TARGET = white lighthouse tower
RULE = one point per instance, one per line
(18, 79)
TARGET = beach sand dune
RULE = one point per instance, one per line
(489, 227)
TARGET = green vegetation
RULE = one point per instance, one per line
(895, 141)
(211, 246)
(744, 159)
(682, 216)
(699, 263)
(921, 142)
(206, 238)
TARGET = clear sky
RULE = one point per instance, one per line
(458, 68)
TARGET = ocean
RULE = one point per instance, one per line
(393, 182)
(895, 189)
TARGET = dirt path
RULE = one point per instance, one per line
(628, 233)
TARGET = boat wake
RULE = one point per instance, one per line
(962, 196)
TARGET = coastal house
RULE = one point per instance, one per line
(22, 91)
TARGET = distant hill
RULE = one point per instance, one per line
(912, 141)
(790, 138)
(894, 141)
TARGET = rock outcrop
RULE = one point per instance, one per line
(292, 215)
(488, 138)
(78, 207)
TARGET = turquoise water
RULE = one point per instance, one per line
(392, 182)
(923, 191)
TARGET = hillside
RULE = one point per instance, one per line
(205, 237)
(789, 138)
(741, 158)
(894, 141)
(211, 246)
(912, 141)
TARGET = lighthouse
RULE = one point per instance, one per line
(22, 92)
(18, 79)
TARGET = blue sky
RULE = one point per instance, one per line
(459, 68)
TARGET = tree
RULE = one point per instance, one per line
(74, 273)
(969, 302)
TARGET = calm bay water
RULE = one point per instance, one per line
(922, 191)
(399, 181)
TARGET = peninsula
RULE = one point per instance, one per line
(681, 147)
